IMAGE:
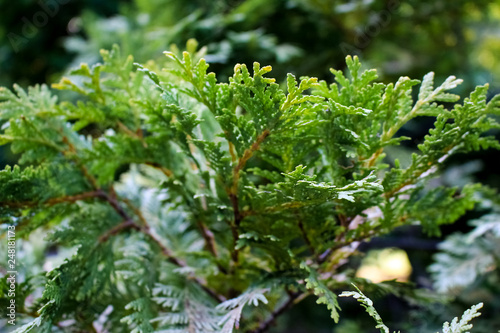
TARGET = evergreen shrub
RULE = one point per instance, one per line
(192, 205)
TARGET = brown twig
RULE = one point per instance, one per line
(412, 179)
(181, 263)
(246, 156)
(206, 233)
(145, 229)
(233, 191)
(165, 171)
(324, 256)
(72, 153)
(208, 236)
(305, 236)
(128, 222)
(234, 225)
(117, 229)
(132, 134)
(371, 161)
(116, 206)
(231, 149)
(136, 210)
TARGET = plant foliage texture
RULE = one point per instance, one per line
(456, 266)
(192, 205)
(456, 326)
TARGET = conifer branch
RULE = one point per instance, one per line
(132, 134)
(231, 150)
(274, 194)
(234, 232)
(340, 244)
(29, 139)
(116, 206)
(208, 236)
(414, 177)
(181, 263)
(117, 229)
(145, 228)
(371, 161)
(136, 210)
(52, 201)
(233, 191)
(305, 236)
(72, 154)
(284, 206)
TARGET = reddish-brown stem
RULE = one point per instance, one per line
(116, 206)
(231, 150)
(53, 201)
(206, 233)
(132, 134)
(373, 158)
(238, 217)
(233, 191)
(117, 229)
(165, 171)
(181, 263)
(71, 153)
(208, 236)
(234, 225)
(305, 236)
(340, 244)
(246, 156)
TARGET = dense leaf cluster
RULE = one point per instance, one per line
(194, 205)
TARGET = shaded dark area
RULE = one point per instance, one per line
(31, 35)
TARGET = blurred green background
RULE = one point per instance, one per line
(41, 40)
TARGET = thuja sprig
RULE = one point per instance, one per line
(180, 192)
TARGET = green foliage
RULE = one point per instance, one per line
(325, 295)
(455, 326)
(368, 305)
(235, 306)
(184, 199)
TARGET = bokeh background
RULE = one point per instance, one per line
(40, 40)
